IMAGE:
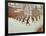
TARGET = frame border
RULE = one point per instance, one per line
(6, 17)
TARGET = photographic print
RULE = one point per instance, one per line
(25, 18)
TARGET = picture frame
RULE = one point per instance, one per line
(25, 2)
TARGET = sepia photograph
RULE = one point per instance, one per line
(25, 17)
